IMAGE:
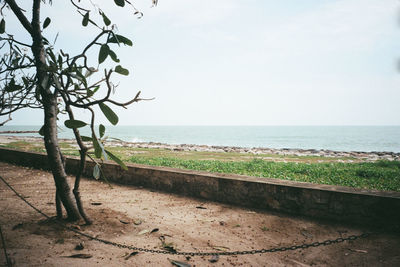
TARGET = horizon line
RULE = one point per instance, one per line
(231, 125)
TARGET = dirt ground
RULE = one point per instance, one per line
(128, 215)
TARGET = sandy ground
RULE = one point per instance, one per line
(122, 213)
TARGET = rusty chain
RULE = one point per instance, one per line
(220, 253)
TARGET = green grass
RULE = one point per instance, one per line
(125, 153)
(381, 175)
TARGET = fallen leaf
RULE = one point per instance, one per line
(169, 247)
(179, 263)
(220, 248)
(80, 246)
(154, 230)
(79, 256)
(138, 222)
(306, 234)
(359, 250)
(297, 263)
(214, 258)
(132, 254)
(143, 232)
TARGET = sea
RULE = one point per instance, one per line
(338, 138)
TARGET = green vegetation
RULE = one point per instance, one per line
(380, 175)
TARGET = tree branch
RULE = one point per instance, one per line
(21, 17)
(4, 122)
(13, 41)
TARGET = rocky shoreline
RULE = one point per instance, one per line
(365, 156)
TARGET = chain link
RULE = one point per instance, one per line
(219, 253)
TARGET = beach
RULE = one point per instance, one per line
(357, 155)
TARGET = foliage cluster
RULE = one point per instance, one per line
(36, 74)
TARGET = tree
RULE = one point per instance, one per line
(36, 75)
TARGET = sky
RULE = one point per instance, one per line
(246, 62)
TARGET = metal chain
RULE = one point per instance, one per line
(220, 253)
(3, 242)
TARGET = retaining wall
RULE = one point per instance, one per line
(337, 203)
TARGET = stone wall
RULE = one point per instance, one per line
(336, 203)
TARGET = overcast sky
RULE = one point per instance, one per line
(265, 62)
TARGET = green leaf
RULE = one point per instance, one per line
(86, 138)
(80, 76)
(89, 93)
(2, 26)
(15, 61)
(11, 86)
(60, 61)
(116, 38)
(41, 131)
(102, 130)
(96, 172)
(106, 20)
(110, 115)
(97, 147)
(74, 124)
(45, 41)
(57, 83)
(104, 50)
(25, 80)
(85, 20)
(113, 56)
(117, 160)
(51, 54)
(46, 22)
(96, 89)
(119, 69)
(120, 3)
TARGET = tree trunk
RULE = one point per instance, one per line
(55, 160)
(49, 100)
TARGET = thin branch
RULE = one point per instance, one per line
(17, 68)
(4, 122)
(21, 17)
(14, 41)
(107, 77)
(136, 99)
(78, 7)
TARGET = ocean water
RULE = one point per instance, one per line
(340, 138)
